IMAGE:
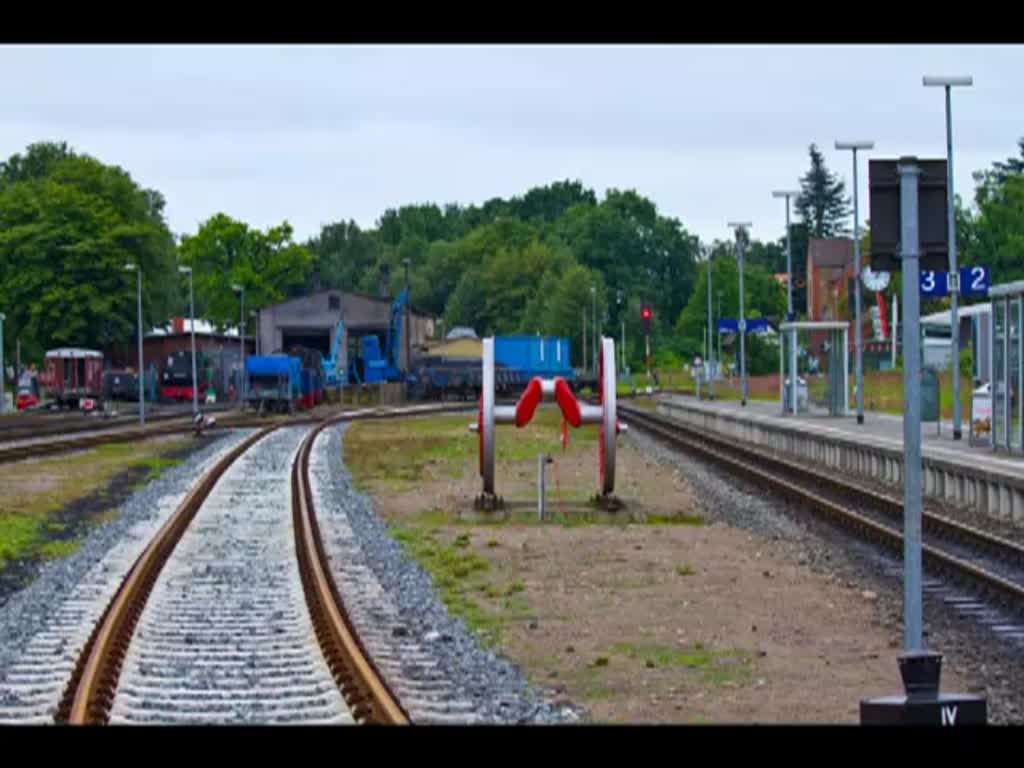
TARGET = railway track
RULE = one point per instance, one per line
(56, 424)
(990, 567)
(229, 614)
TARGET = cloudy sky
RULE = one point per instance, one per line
(313, 134)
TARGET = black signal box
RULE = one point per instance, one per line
(933, 219)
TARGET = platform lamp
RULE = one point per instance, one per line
(742, 324)
(954, 288)
(192, 318)
(240, 289)
(857, 344)
(790, 315)
(3, 403)
(142, 368)
(255, 315)
(408, 319)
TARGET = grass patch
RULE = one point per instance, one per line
(715, 666)
(685, 570)
(398, 455)
(457, 574)
(680, 519)
(17, 534)
(58, 548)
(35, 494)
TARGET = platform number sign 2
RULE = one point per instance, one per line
(973, 281)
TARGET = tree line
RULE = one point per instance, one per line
(535, 263)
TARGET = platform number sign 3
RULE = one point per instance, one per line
(934, 283)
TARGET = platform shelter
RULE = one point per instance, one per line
(1007, 357)
(826, 365)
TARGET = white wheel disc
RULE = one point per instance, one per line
(487, 428)
(608, 416)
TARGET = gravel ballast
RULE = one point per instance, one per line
(494, 686)
(991, 664)
(68, 595)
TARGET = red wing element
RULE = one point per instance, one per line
(567, 402)
(528, 402)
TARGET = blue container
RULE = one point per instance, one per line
(545, 356)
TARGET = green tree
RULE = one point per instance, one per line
(762, 297)
(225, 251)
(342, 253)
(994, 234)
(822, 204)
(68, 226)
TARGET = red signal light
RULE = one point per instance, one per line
(645, 312)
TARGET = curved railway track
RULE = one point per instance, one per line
(42, 425)
(989, 566)
(232, 604)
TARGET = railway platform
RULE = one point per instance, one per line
(954, 472)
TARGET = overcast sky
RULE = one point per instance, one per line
(313, 134)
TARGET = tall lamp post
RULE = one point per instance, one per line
(3, 402)
(790, 315)
(240, 289)
(137, 269)
(622, 321)
(711, 348)
(593, 327)
(192, 319)
(858, 367)
(408, 324)
(255, 315)
(719, 335)
(738, 226)
(954, 274)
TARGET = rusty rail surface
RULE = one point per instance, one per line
(360, 682)
(90, 692)
(768, 471)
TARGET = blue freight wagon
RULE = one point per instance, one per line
(273, 382)
(529, 356)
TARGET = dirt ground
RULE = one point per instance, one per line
(644, 615)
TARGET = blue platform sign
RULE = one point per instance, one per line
(732, 325)
(974, 281)
(933, 283)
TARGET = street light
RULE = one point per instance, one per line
(711, 346)
(255, 315)
(3, 402)
(240, 289)
(593, 326)
(192, 318)
(142, 385)
(622, 320)
(741, 225)
(954, 274)
(719, 334)
(858, 367)
(789, 254)
(408, 325)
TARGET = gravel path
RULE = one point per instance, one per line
(443, 671)
(993, 665)
(44, 626)
(225, 636)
